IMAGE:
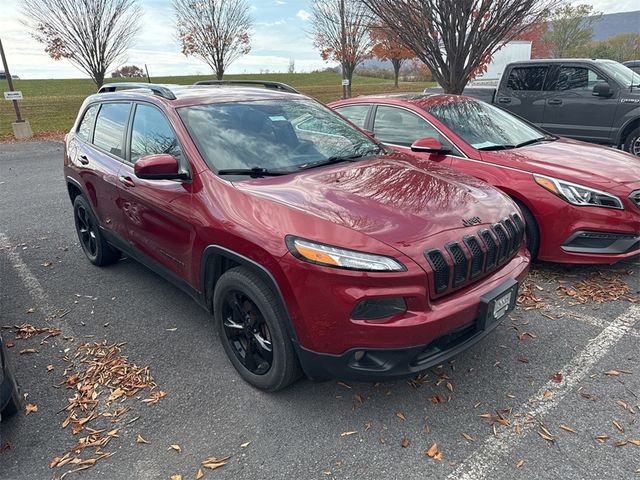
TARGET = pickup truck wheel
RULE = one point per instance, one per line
(632, 143)
(251, 327)
(93, 243)
(531, 229)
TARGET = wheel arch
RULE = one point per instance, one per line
(73, 188)
(216, 260)
(626, 129)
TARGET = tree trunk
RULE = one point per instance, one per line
(396, 70)
(220, 72)
(347, 74)
(98, 78)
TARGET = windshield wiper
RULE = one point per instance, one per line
(253, 172)
(497, 147)
(546, 138)
(339, 159)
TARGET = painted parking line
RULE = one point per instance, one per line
(488, 456)
(33, 286)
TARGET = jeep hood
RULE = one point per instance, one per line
(389, 199)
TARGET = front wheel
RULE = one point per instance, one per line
(531, 229)
(252, 329)
(632, 143)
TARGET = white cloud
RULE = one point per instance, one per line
(303, 15)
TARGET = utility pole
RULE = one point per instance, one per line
(21, 128)
(343, 45)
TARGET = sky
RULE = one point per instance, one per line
(280, 33)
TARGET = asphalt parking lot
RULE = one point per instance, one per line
(554, 392)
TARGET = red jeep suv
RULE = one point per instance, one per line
(316, 249)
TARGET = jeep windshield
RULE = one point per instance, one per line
(484, 126)
(273, 137)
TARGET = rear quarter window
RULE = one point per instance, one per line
(527, 78)
(110, 125)
(85, 130)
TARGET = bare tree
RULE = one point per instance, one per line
(92, 34)
(454, 37)
(341, 32)
(215, 31)
(571, 28)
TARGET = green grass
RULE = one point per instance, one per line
(52, 105)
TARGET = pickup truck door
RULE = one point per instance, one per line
(522, 92)
(573, 111)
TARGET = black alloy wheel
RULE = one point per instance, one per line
(247, 332)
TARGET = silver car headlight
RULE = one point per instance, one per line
(579, 194)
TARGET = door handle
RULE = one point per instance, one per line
(555, 101)
(126, 181)
(504, 100)
(83, 159)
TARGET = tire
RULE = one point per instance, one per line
(632, 142)
(531, 229)
(250, 320)
(92, 241)
(13, 406)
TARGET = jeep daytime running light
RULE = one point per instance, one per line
(327, 255)
(578, 194)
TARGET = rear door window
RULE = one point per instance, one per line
(357, 114)
(110, 127)
(151, 134)
(527, 78)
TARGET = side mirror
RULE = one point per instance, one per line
(602, 89)
(159, 167)
(429, 145)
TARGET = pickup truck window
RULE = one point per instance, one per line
(580, 80)
(527, 78)
(621, 73)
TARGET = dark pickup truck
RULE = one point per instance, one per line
(592, 100)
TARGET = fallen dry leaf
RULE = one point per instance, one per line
(177, 476)
(342, 384)
(49, 368)
(212, 462)
(141, 439)
(199, 474)
(405, 442)
(520, 463)
(566, 428)
(544, 433)
(400, 415)
(30, 408)
(434, 452)
(602, 438)
(175, 447)
(245, 444)
(547, 394)
(468, 437)
(618, 426)
(556, 377)
(635, 442)
(347, 434)
(28, 350)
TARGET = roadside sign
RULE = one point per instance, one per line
(345, 82)
(13, 95)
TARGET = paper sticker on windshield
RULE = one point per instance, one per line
(278, 118)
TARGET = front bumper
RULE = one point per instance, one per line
(370, 365)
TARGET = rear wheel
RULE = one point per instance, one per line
(632, 143)
(251, 326)
(92, 241)
(531, 229)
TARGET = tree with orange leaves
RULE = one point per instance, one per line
(387, 46)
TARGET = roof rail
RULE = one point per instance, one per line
(283, 87)
(159, 90)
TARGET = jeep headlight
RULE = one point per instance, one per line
(330, 256)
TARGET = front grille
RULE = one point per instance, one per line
(462, 262)
(635, 197)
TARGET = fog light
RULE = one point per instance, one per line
(359, 355)
(377, 308)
